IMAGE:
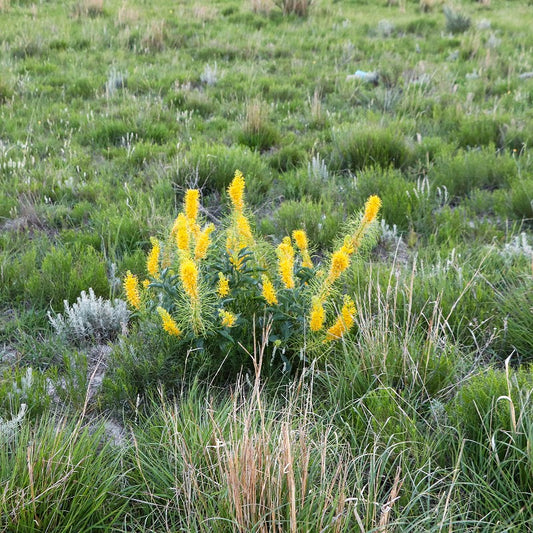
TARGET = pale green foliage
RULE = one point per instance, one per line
(90, 318)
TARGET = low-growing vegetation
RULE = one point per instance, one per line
(335, 337)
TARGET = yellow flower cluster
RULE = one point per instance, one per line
(344, 321)
(203, 241)
(189, 278)
(181, 232)
(372, 206)
(340, 261)
(169, 324)
(269, 292)
(228, 318)
(131, 288)
(239, 234)
(192, 205)
(223, 285)
(236, 191)
(285, 253)
(152, 261)
(318, 315)
(300, 238)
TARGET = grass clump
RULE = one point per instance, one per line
(355, 149)
(258, 131)
(456, 22)
(48, 484)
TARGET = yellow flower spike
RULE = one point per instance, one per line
(347, 246)
(169, 324)
(236, 191)
(152, 261)
(146, 283)
(285, 253)
(344, 321)
(318, 315)
(181, 232)
(372, 207)
(228, 318)
(131, 288)
(269, 292)
(245, 232)
(192, 205)
(340, 261)
(202, 242)
(300, 238)
(189, 278)
(223, 285)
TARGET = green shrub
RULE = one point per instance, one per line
(521, 194)
(456, 22)
(357, 148)
(320, 219)
(63, 274)
(20, 386)
(212, 164)
(479, 131)
(405, 204)
(473, 170)
(258, 131)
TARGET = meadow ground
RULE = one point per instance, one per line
(420, 418)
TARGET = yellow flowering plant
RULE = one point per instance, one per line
(216, 290)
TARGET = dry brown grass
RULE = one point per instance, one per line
(315, 105)
(154, 38)
(294, 7)
(262, 6)
(204, 13)
(256, 116)
(127, 15)
(89, 8)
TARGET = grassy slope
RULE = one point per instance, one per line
(106, 116)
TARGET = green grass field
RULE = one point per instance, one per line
(420, 418)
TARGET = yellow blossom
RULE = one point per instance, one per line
(189, 278)
(228, 318)
(371, 208)
(285, 253)
(245, 233)
(146, 283)
(300, 238)
(236, 191)
(152, 262)
(131, 288)
(344, 321)
(269, 293)
(223, 285)
(169, 324)
(182, 234)
(192, 205)
(233, 248)
(202, 242)
(347, 246)
(318, 315)
(340, 261)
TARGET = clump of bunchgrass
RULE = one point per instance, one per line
(456, 22)
(294, 7)
(218, 288)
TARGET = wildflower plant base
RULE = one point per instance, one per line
(225, 288)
